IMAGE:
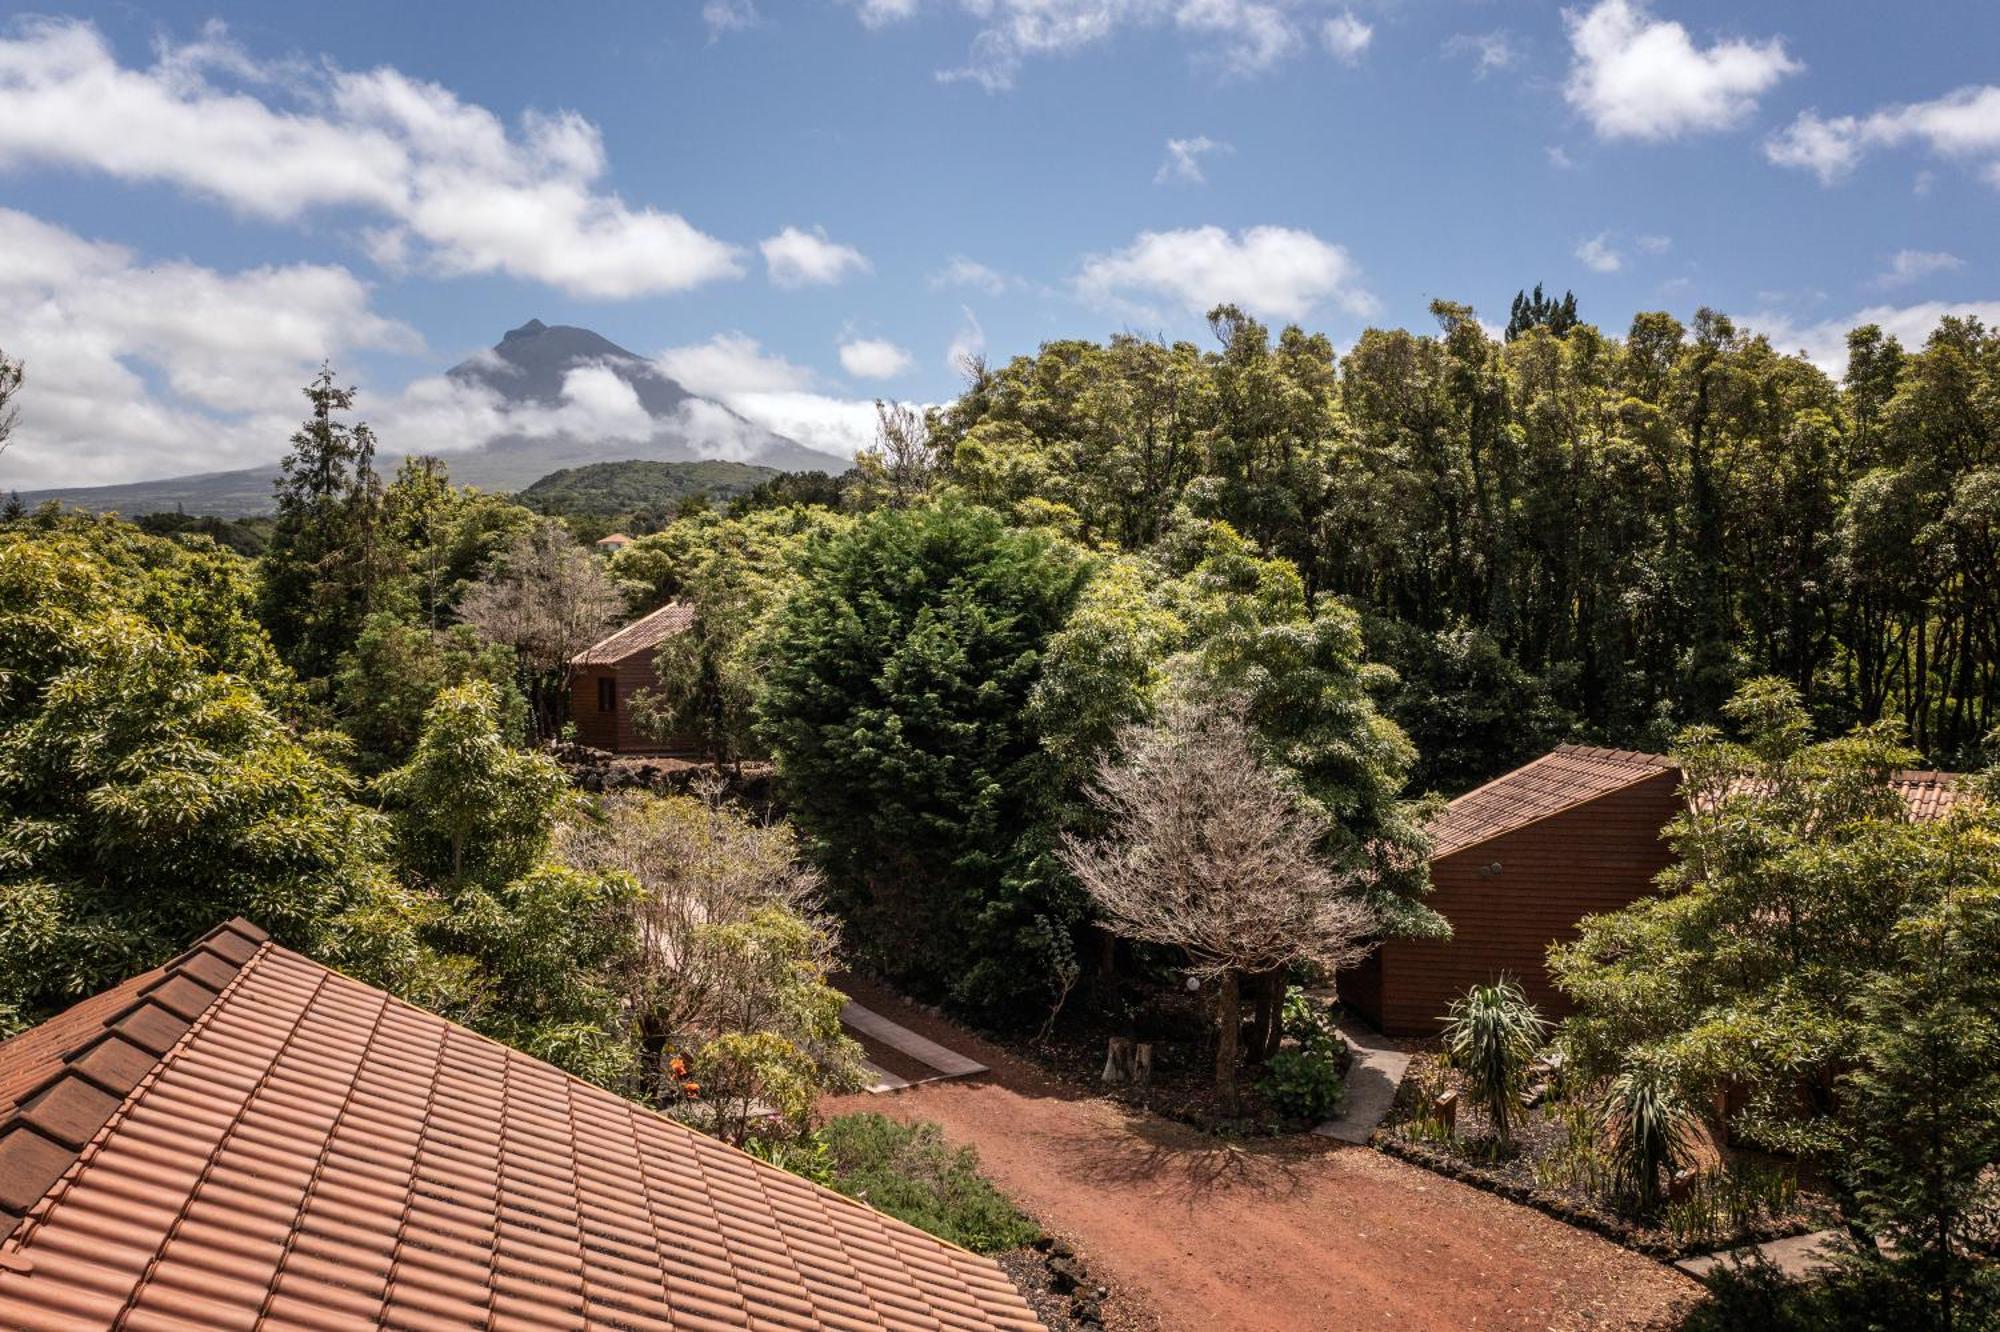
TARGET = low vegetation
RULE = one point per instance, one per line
(913, 1174)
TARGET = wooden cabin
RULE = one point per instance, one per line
(610, 672)
(1516, 863)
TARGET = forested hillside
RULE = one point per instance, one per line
(640, 496)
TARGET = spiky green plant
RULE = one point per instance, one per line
(1649, 1129)
(1491, 1036)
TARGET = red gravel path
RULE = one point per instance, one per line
(1195, 1234)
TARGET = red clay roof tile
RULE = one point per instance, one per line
(316, 1155)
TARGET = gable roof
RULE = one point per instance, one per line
(294, 1149)
(1563, 778)
(642, 635)
(1572, 775)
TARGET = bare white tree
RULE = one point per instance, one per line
(1207, 851)
(13, 373)
(548, 599)
(900, 469)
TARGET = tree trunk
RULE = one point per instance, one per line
(1229, 1018)
(1120, 1062)
(1274, 1033)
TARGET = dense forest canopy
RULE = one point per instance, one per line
(1561, 534)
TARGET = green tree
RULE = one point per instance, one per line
(1539, 311)
(732, 571)
(327, 563)
(1926, 1106)
(148, 792)
(388, 680)
(548, 948)
(896, 681)
(1798, 881)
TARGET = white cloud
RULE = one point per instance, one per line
(1488, 51)
(1654, 244)
(1906, 266)
(1825, 342)
(1278, 272)
(1962, 125)
(460, 192)
(1827, 148)
(140, 368)
(729, 365)
(770, 392)
(968, 344)
(723, 16)
(1559, 158)
(964, 272)
(1598, 255)
(1346, 37)
(1235, 37)
(873, 358)
(797, 258)
(1182, 165)
(1638, 77)
(881, 13)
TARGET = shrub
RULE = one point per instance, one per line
(804, 1154)
(1490, 1036)
(1310, 1023)
(1303, 1085)
(912, 1174)
(1649, 1131)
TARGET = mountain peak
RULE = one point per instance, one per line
(533, 326)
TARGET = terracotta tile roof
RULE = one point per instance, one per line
(308, 1153)
(1572, 775)
(642, 635)
(1930, 794)
(1563, 778)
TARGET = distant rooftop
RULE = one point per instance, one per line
(244, 1137)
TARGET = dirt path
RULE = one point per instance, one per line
(1294, 1234)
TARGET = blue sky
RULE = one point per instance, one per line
(800, 206)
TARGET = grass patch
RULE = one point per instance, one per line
(910, 1172)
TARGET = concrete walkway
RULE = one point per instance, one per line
(867, 1022)
(1372, 1082)
(1799, 1256)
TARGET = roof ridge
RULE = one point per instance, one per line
(53, 1119)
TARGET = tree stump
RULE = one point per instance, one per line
(1142, 1064)
(1120, 1061)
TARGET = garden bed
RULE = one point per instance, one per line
(1742, 1199)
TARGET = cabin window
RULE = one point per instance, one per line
(607, 694)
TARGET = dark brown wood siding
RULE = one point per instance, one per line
(1510, 897)
(615, 730)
